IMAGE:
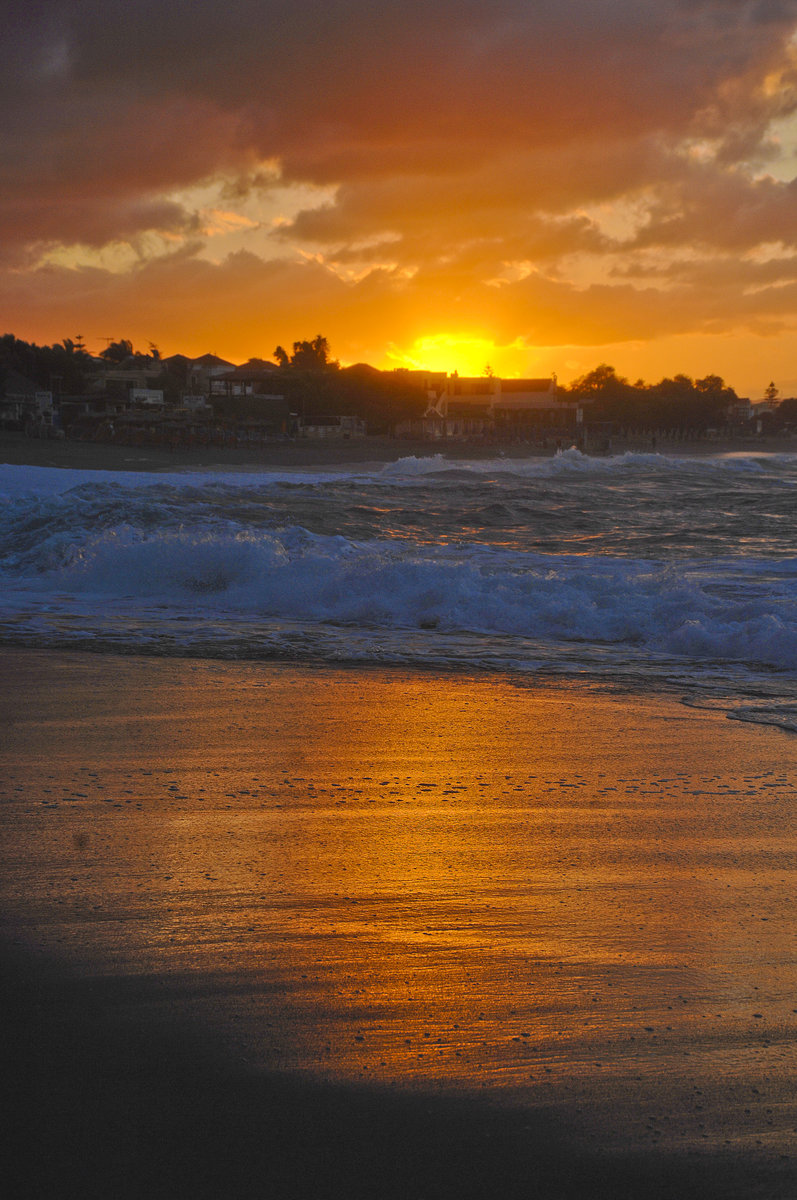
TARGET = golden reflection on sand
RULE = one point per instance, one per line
(408, 877)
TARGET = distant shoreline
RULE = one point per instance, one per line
(18, 450)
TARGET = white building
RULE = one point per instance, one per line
(472, 406)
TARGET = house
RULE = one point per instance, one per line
(194, 404)
(117, 380)
(24, 405)
(147, 398)
(431, 382)
(487, 405)
(202, 372)
(255, 378)
(333, 427)
(739, 412)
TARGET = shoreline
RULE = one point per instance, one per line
(399, 927)
(18, 450)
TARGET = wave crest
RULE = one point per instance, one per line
(692, 610)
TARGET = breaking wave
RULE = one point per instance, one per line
(520, 565)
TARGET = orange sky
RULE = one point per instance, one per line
(540, 187)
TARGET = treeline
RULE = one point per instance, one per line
(381, 399)
(314, 384)
(680, 402)
(66, 368)
(676, 403)
(317, 386)
(60, 368)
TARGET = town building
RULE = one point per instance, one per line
(26, 406)
(488, 406)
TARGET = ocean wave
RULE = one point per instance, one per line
(27, 481)
(732, 611)
(781, 716)
(573, 461)
(638, 569)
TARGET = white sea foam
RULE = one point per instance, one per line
(675, 609)
(573, 461)
(19, 481)
(23, 481)
(669, 569)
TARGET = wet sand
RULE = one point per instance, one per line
(304, 932)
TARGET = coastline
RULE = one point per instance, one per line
(19, 450)
(382, 933)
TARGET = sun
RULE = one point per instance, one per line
(463, 353)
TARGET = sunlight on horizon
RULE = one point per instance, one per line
(462, 353)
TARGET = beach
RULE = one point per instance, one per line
(385, 826)
(299, 930)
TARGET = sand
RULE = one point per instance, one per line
(291, 931)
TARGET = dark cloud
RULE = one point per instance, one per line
(90, 220)
(723, 210)
(348, 88)
(746, 275)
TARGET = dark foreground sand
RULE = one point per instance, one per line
(291, 932)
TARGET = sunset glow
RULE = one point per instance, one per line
(442, 189)
(467, 355)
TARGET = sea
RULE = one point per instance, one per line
(638, 571)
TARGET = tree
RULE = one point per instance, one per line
(613, 397)
(60, 368)
(600, 383)
(74, 345)
(307, 356)
(117, 352)
(771, 393)
(686, 404)
(710, 383)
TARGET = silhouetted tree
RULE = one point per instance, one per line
(710, 383)
(613, 397)
(60, 368)
(117, 352)
(601, 381)
(675, 403)
(307, 356)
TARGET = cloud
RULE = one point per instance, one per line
(349, 89)
(723, 209)
(257, 305)
(544, 171)
(90, 221)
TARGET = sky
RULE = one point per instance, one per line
(537, 185)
